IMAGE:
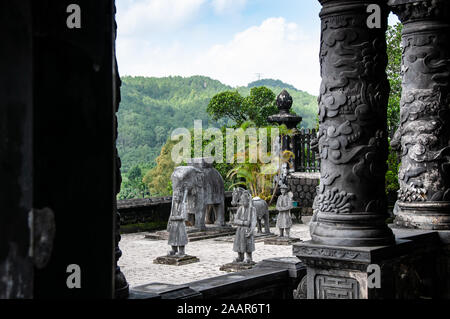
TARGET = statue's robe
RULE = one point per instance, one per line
(283, 206)
(176, 226)
(242, 243)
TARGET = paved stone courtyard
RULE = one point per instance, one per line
(138, 255)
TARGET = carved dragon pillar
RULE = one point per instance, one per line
(350, 208)
(424, 129)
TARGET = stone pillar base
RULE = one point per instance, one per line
(423, 215)
(400, 271)
(176, 260)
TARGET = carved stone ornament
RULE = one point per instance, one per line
(350, 208)
(423, 134)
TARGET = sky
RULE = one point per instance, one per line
(233, 41)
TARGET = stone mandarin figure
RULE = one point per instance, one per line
(284, 206)
(245, 220)
(176, 225)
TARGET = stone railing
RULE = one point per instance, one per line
(306, 159)
(275, 278)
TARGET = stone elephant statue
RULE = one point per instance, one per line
(205, 192)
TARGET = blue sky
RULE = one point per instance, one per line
(228, 40)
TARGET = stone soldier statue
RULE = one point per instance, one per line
(245, 220)
(176, 225)
(284, 206)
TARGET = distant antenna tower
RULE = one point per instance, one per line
(258, 75)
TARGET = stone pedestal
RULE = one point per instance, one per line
(404, 270)
(259, 237)
(424, 128)
(423, 215)
(284, 241)
(237, 266)
(263, 235)
(297, 273)
(176, 260)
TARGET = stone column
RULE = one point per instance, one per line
(350, 208)
(121, 287)
(424, 129)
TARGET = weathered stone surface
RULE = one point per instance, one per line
(284, 206)
(164, 291)
(297, 273)
(176, 260)
(350, 207)
(237, 266)
(305, 184)
(262, 209)
(338, 272)
(424, 130)
(205, 191)
(257, 283)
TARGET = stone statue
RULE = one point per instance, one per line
(176, 225)
(245, 220)
(284, 206)
(206, 192)
(262, 209)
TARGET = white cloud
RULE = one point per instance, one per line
(276, 48)
(227, 6)
(147, 15)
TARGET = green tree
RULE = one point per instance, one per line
(393, 70)
(158, 178)
(255, 107)
(133, 185)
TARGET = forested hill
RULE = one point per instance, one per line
(152, 107)
(272, 83)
